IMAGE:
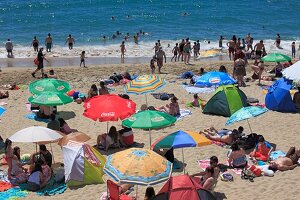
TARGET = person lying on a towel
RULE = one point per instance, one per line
(224, 136)
(289, 162)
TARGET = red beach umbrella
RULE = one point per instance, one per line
(108, 107)
(183, 187)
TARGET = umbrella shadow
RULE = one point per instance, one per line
(178, 165)
(115, 150)
(220, 195)
(66, 115)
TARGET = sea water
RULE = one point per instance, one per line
(169, 21)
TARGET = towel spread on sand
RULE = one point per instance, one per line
(3, 103)
(183, 114)
(33, 116)
(50, 190)
(203, 164)
(13, 193)
(277, 154)
(5, 186)
(197, 90)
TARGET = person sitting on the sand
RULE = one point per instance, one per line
(93, 91)
(52, 74)
(126, 136)
(262, 150)
(207, 179)
(289, 162)
(109, 139)
(36, 180)
(172, 108)
(237, 157)
(103, 89)
(214, 163)
(225, 138)
(223, 69)
(197, 102)
(296, 98)
(4, 94)
(18, 170)
(43, 155)
(150, 193)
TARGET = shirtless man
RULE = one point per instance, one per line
(277, 42)
(156, 47)
(123, 50)
(175, 52)
(181, 45)
(259, 48)
(48, 43)
(70, 40)
(231, 45)
(160, 55)
(289, 162)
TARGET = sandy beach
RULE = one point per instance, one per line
(279, 128)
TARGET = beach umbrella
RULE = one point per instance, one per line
(108, 107)
(276, 57)
(292, 72)
(50, 99)
(2, 111)
(214, 79)
(246, 113)
(180, 139)
(144, 84)
(149, 119)
(49, 85)
(183, 187)
(75, 137)
(138, 166)
(35, 134)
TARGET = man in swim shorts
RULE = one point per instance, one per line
(259, 48)
(231, 45)
(289, 162)
(48, 43)
(160, 55)
(70, 40)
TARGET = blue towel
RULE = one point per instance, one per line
(13, 193)
(33, 117)
(196, 90)
(50, 190)
(276, 154)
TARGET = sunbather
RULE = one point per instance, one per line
(109, 139)
(227, 139)
(289, 162)
(208, 180)
(172, 108)
(214, 163)
(262, 150)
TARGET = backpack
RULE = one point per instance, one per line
(164, 96)
(250, 141)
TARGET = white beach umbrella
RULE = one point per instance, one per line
(35, 134)
(292, 72)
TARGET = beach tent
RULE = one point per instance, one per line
(83, 164)
(226, 100)
(279, 97)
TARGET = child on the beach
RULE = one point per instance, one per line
(152, 64)
(82, 59)
(294, 50)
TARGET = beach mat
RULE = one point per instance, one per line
(277, 154)
(183, 113)
(5, 186)
(13, 194)
(196, 90)
(32, 116)
(50, 190)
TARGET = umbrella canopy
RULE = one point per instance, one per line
(144, 84)
(49, 85)
(77, 137)
(138, 166)
(35, 134)
(183, 187)
(180, 139)
(50, 99)
(246, 113)
(108, 107)
(276, 57)
(149, 119)
(213, 79)
(292, 72)
(2, 110)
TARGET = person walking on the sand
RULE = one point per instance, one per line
(160, 55)
(82, 59)
(40, 64)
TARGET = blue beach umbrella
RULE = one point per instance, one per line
(214, 79)
(2, 110)
(246, 113)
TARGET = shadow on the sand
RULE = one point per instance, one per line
(66, 115)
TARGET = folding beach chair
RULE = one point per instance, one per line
(114, 191)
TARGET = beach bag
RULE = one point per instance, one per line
(226, 176)
(250, 141)
(36, 61)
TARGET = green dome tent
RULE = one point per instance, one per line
(226, 100)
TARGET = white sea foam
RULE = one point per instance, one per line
(143, 49)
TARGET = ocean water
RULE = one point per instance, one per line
(89, 20)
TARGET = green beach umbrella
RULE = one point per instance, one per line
(149, 119)
(50, 99)
(276, 57)
(49, 85)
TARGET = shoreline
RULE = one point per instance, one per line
(90, 61)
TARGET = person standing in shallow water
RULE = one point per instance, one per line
(48, 43)
(123, 50)
(71, 41)
(35, 44)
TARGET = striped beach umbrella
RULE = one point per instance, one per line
(144, 84)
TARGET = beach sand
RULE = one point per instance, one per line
(279, 128)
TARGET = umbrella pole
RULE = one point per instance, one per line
(183, 167)
(35, 147)
(52, 153)
(249, 126)
(150, 138)
(146, 100)
(136, 193)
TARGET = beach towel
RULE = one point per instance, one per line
(5, 186)
(277, 154)
(13, 194)
(33, 116)
(196, 90)
(203, 164)
(50, 190)
(162, 96)
(183, 114)
(3, 103)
